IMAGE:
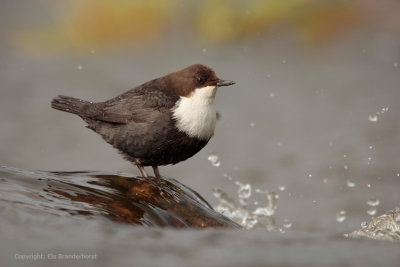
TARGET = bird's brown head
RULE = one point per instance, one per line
(185, 81)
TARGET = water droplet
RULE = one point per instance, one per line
(287, 223)
(310, 175)
(395, 64)
(341, 216)
(252, 124)
(350, 183)
(216, 193)
(372, 118)
(227, 176)
(225, 203)
(271, 94)
(346, 167)
(270, 207)
(240, 216)
(79, 67)
(263, 211)
(371, 147)
(369, 185)
(383, 110)
(281, 188)
(214, 160)
(251, 221)
(244, 191)
(344, 156)
(398, 174)
(371, 211)
(373, 202)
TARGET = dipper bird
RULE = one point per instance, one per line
(163, 121)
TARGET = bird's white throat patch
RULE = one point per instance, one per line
(196, 115)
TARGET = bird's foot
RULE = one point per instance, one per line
(156, 172)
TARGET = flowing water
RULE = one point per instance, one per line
(61, 218)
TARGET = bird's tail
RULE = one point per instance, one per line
(69, 104)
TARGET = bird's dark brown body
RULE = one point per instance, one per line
(166, 145)
(147, 124)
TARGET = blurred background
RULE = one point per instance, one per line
(314, 114)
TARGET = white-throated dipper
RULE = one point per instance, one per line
(163, 121)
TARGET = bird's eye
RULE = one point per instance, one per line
(200, 80)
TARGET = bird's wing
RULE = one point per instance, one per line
(131, 106)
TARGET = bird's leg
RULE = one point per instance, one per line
(141, 169)
(156, 172)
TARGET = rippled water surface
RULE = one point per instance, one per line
(49, 217)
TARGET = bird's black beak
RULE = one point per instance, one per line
(224, 83)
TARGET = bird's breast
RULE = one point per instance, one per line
(196, 115)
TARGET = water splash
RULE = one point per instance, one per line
(384, 227)
(214, 159)
(364, 224)
(258, 214)
(226, 205)
(272, 203)
(244, 192)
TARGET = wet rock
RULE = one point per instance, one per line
(118, 197)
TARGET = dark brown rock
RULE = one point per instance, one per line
(120, 198)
